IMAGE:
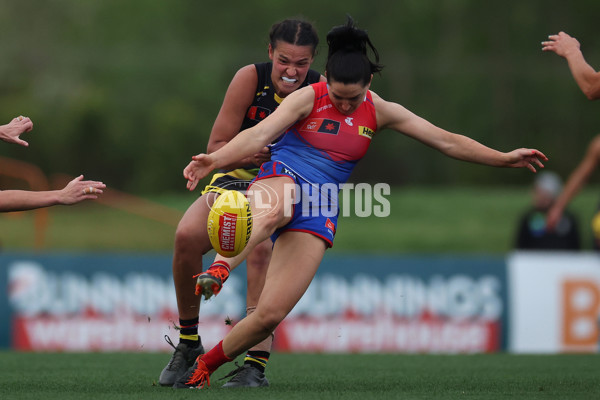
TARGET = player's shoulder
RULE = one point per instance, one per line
(244, 80)
(246, 72)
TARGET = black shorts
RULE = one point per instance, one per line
(224, 181)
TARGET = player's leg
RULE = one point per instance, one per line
(273, 211)
(191, 243)
(252, 372)
(296, 258)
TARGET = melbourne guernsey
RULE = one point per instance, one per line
(325, 146)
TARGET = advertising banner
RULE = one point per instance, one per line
(400, 304)
(554, 302)
(92, 302)
(99, 302)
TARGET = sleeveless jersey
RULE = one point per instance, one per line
(266, 100)
(264, 103)
(326, 146)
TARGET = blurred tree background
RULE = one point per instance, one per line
(125, 91)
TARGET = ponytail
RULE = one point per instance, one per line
(347, 59)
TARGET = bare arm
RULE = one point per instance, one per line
(295, 106)
(394, 116)
(575, 182)
(10, 132)
(238, 98)
(568, 47)
(76, 191)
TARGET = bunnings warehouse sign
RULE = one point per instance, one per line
(92, 302)
(555, 303)
(400, 305)
(98, 302)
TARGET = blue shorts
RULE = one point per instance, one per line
(315, 212)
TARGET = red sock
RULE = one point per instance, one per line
(221, 264)
(215, 357)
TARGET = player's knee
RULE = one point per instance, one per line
(269, 319)
(191, 236)
(260, 256)
(271, 220)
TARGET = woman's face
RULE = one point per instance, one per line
(290, 66)
(347, 97)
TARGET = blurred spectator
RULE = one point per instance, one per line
(533, 233)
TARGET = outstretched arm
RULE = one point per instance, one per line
(568, 47)
(394, 116)
(575, 182)
(250, 141)
(76, 191)
(10, 132)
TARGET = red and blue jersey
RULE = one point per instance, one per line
(318, 154)
(325, 146)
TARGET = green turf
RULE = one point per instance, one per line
(50, 376)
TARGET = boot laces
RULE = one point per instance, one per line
(218, 271)
(178, 357)
(201, 377)
(234, 372)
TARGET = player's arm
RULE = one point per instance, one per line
(576, 181)
(75, 191)
(394, 116)
(568, 47)
(238, 98)
(250, 141)
(586, 77)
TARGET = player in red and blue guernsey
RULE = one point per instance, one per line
(254, 93)
(328, 129)
(318, 150)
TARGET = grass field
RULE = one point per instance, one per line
(422, 220)
(50, 376)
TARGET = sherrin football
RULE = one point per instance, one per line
(230, 223)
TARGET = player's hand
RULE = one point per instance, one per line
(78, 190)
(200, 166)
(526, 158)
(561, 43)
(10, 132)
(259, 158)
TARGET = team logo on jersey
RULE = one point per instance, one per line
(365, 131)
(258, 113)
(321, 125)
(349, 121)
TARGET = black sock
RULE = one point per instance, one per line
(188, 333)
(257, 359)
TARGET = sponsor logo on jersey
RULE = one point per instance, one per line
(257, 113)
(290, 173)
(321, 125)
(325, 107)
(349, 121)
(330, 225)
(365, 131)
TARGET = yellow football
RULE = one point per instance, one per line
(230, 223)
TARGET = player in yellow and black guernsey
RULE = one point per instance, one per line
(253, 94)
(264, 103)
